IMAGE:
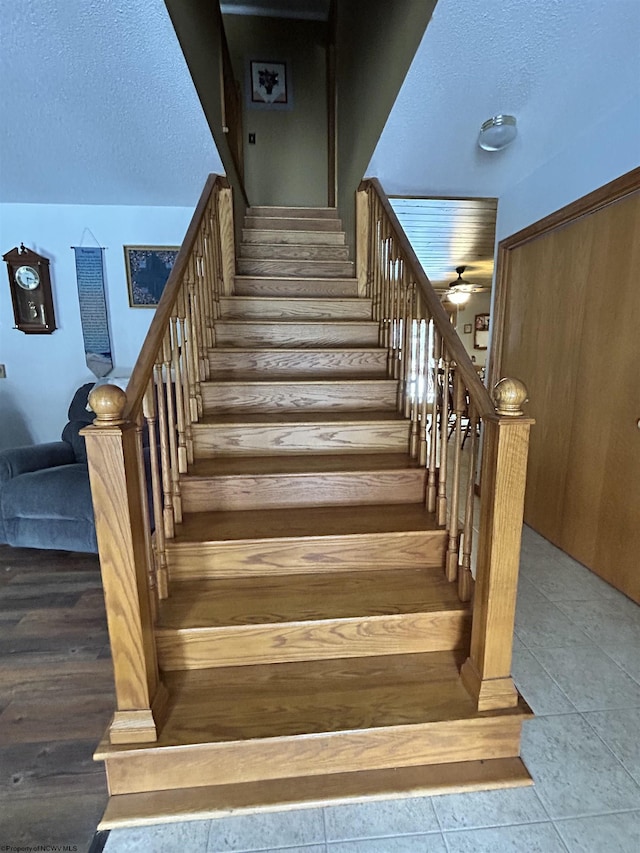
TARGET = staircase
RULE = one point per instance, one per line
(310, 644)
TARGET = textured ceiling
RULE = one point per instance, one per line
(559, 66)
(98, 106)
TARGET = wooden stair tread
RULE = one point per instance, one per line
(247, 703)
(315, 521)
(266, 377)
(296, 598)
(216, 801)
(289, 418)
(306, 464)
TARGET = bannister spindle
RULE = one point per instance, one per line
(487, 671)
(454, 526)
(424, 384)
(465, 578)
(409, 356)
(150, 414)
(113, 446)
(206, 287)
(146, 522)
(172, 429)
(186, 371)
(441, 504)
(176, 367)
(165, 463)
(417, 371)
(432, 482)
(193, 348)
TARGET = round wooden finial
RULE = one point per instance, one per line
(108, 402)
(509, 395)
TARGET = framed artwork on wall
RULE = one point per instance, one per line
(269, 84)
(148, 269)
(481, 331)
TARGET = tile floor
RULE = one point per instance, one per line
(577, 663)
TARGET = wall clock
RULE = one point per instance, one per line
(30, 285)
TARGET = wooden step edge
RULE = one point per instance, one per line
(311, 640)
(218, 801)
(296, 278)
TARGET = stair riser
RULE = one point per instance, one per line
(303, 334)
(281, 490)
(225, 363)
(265, 308)
(307, 252)
(230, 397)
(297, 237)
(324, 753)
(312, 269)
(323, 640)
(300, 438)
(295, 287)
(292, 223)
(373, 551)
(293, 212)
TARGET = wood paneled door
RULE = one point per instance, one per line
(568, 311)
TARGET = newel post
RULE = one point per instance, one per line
(362, 241)
(227, 238)
(487, 671)
(113, 450)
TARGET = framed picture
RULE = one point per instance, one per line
(269, 85)
(467, 328)
(481, 331)
(148, 268)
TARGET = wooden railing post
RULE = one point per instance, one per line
(362, 241)
(114, 449)
(487, 671)
(227, 239)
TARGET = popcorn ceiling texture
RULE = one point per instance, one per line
(99, 106)
(559, 66)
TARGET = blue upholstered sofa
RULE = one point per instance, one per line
(45, 499)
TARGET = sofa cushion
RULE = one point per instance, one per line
(62, 492)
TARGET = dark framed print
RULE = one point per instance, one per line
(148, 269)
(269, 84)
(467, 328)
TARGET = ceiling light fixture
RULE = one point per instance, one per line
(497, 132)
(460, 290)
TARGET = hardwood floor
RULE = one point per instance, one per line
(56, 697)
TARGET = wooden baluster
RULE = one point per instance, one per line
(454, 526)
(183, 457)
(417, 372)
(150, 413)
(172, 429)
(391, 324)
(424, 384)
(377, 302)
(465, 578)
(441, 504)
(432, 488)
(165, 464)
(401, 393)
(409, 360)
(113, 447)
(186, 371)
(206, 288)
(146, 523)
(192, 344)
(487, 671)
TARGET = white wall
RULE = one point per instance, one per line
(43, 371)
(609, 149)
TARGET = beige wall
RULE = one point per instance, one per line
(288, 163)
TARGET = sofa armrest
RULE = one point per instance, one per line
(23, 460)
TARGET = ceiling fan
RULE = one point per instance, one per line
(460, 290)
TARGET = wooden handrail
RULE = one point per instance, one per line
(464, 365)
(143, 369)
